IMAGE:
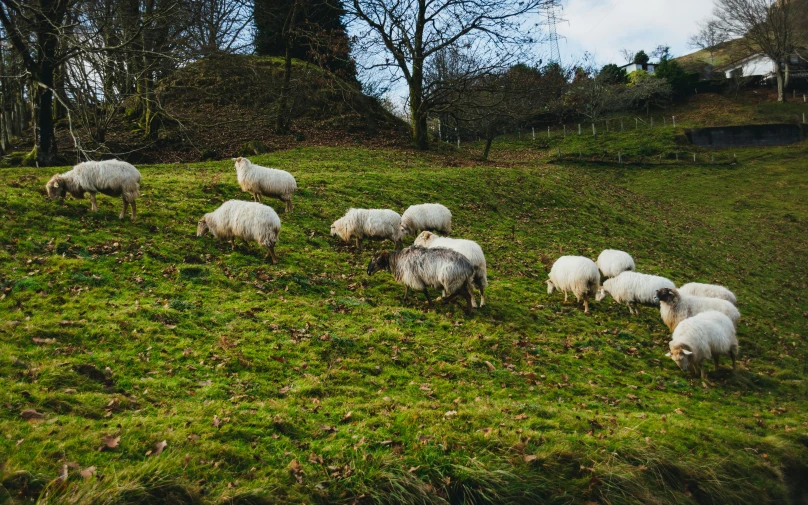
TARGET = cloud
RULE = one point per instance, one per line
(604, 27)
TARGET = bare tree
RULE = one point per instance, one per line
(628, 55)
(403, 35)
(709, 38)
(220, 25)
(763, 26)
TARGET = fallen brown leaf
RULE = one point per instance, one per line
(158, 448)
(88, 472)
(109, 442)
(31, 415)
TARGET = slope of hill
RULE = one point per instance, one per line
(724, 54)
(213, 108)
(311, 382)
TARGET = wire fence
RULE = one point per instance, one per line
(628, 157)
(454, 135)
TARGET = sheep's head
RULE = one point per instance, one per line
(201, 227)
(423, 239)
(338, 230)
(380, 262)
(682, 355)
(550, 287)
(241, 163)
(406, 228)
(667, 295)
(602, 293)
(56, 187)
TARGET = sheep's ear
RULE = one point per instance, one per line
(686, 352)
(55, 184)
(668, 354)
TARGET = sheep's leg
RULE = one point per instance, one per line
(715, 360)
(428, 299)
(258, 195)
(480, 286)
(125, 205)
(398, 244)
(565, 297)
(586, 305)
(406, 293)
(271, 252)
(630, 310)
(232, 244)
(732, 354)
(93, 204)
(289, 205)
(703, 372)
(134, 210)
(467, 294)
(359, 244)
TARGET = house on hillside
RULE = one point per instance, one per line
(762, 65)
(633, 67)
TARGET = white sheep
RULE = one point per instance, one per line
(109, 177)
(634, 288)
(468, 248)
(613, 262)
(709, 291)
(427, 216)
(419, 268)
(360, 224)
(675, 307)
(706, 335)
(262, 181)
(249, 221)
(577, 274)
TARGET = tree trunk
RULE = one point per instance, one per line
(282, 115)
(787, 77)
(778, 71)
(417, 113)
(488, 142)
(45, 134)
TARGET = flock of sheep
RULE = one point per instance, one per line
(702, 317)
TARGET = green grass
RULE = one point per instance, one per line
(249, 371)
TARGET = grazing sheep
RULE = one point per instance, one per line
(427, 216)
(249, 221)
(257, 181)
(613, 262)
(419, 268)
(675, 307)
(708, 291)
(634, 288)
(377, 224)
(109, 177)
(577, 274)
(468, 248)
(706, 335)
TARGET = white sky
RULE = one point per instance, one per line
(604, 27)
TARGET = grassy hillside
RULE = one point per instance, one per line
(311, 382)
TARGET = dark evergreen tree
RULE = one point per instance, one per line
(612, 74)
(312, 30)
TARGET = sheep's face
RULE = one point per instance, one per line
(55, 187)
(666, 295)
(550, 287)
(423, 239)
(241, 163)
(338, 230)
(682, 356)
(380, 262)
(201, 227)
(405, 229)
(601, 294)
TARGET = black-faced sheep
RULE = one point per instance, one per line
(675, 307)
(577, 274)
(427, 216)
(262, 181)
(419, 268)
(706, 335)
(249, 221)
(359, 224)
(110, 177)
(468, 248)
